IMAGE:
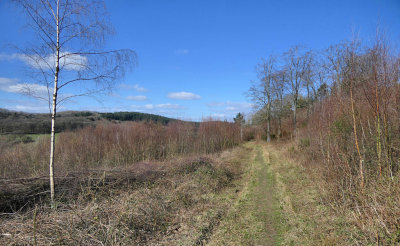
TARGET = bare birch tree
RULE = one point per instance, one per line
(68, 52)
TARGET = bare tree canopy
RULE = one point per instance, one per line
(72, 32)
(261, 93)
(297, 62)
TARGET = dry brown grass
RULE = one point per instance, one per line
(365, 217)
(146, 203)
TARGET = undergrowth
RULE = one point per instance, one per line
(171, 202)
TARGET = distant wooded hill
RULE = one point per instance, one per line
(32, 123)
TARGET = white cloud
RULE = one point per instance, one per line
(137, 98)
(135, 87)
(183, 95)
(7, 81)
(27, 88)
(157, 106)
(182, 51)
(13, 86)
(231, 106)
(73, 61)
(169, 106)
(68, 60)
(216, 104)
(142, 107)
(9, 57)
(227, 110)
(148, 106)
(32, 109)
(219, 116)
(138, 88)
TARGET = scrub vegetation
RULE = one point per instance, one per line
(318, 164)
(339, 107)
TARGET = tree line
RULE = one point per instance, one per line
(296, 79)
(12, 122)
(349, 91)
(136, 116)
(342, 107)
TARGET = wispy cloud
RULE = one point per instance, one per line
(157, 106)
(182, 51)
(143, 107)
(183, 95)
(7, 81)
(139, 88)
(166, 109)
(169, 106)
(14, 86)
(135, 87)
(68, 60)
(216, 104)
(231, 106)
(219, 116)
(137, 98)
(27, 108)
(227, 110)
(9, 57)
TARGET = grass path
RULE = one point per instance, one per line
(265, 203)
(278, 203)
(254, 217)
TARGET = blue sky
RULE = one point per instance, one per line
(196, 58)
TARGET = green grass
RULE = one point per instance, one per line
(37, 136)
(22, 138)
(254, 218)
(308, 221)
(279, 204)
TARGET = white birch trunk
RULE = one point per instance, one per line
(54, 112)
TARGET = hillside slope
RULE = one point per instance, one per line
(12, 122)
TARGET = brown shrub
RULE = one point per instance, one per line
(114, 145)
